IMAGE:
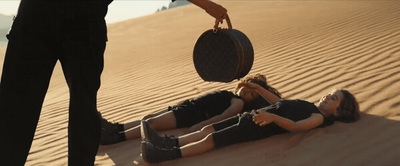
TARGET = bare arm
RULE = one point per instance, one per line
(213, 9)
(264, 118)
(267, 95)
(235, 108)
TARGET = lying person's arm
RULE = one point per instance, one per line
(267, 95)
(264, 118)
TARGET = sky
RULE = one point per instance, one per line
(118, 10)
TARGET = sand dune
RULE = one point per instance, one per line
(305, 48)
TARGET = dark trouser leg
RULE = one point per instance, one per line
(243, 131)
(25, 78)
(82, 64)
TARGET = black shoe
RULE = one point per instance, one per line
(149, 135)
(109, 132)
(154, 154)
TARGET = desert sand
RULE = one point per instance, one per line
(305, 48)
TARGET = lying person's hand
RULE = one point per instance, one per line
(263, 118)
(249, 85)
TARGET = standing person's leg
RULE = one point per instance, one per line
(82, 65)
(25, 78)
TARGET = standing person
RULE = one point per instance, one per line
(280, 117)
(73, 32)
(195, 113)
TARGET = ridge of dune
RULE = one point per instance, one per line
(305, 48)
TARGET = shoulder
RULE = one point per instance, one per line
(317, 119)
(318, 116)
(237, 100)
(327, 121)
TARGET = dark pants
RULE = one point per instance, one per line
(241, 128)
(28, 66)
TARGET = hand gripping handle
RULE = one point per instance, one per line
(228, 21)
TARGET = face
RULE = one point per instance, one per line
(330, 103)
(247, 94)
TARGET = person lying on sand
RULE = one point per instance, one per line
(280, 117)
(196, 113)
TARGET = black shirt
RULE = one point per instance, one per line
(297, 110)
(214, 103)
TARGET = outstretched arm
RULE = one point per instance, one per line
(213, 9)
(264, 118)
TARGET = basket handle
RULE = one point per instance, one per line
(228, 21)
